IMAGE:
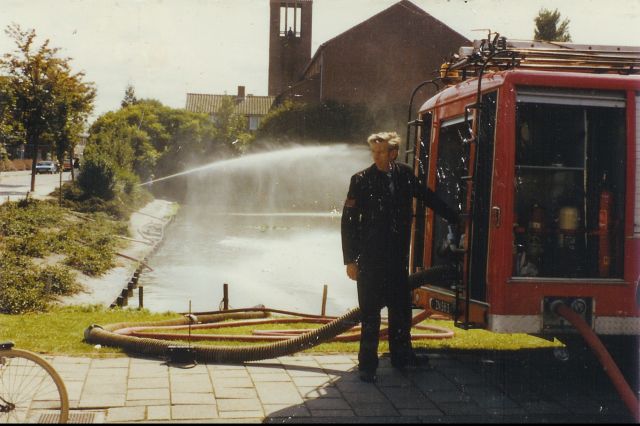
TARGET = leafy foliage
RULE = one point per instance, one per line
(37, 229)
(152, 139)
(146, 139)
(58, 280)
(47, 101)
(24, 287)
(129, 97)
(24, 220)
(548, 27)
(91, 261)
(97, 176)
(326, 122)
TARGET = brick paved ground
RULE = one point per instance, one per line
(326, 389)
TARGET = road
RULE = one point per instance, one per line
(16, 185)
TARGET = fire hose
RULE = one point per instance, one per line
(609, 365)
(117, 334)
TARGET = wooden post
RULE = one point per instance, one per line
(225, 297)
(121, 301)
(324, 300)
(140, 297)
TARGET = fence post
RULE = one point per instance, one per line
(324, 300)
(140, 297)
(225, 297)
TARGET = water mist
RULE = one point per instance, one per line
(267, 224)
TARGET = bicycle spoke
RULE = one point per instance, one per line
(29, 386)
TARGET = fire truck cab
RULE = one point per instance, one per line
(537, 145)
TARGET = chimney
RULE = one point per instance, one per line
(240, 92)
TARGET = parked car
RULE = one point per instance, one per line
(46, 167)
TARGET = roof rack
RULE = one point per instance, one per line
(501, 54)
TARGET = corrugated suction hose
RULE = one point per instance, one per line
(221, 354)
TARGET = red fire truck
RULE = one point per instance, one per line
(537, 144)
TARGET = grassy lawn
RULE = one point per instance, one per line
(61, 331)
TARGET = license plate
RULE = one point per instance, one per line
(441, 306)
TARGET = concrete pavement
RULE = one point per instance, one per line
(15, 185)
(326, 389)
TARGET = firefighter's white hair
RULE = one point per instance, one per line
(391, 138)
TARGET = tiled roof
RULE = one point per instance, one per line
(249, 105)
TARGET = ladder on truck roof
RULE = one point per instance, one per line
(501, 54)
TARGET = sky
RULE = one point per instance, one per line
(168, 48)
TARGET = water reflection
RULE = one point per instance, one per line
(279, 261)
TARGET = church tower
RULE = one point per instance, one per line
(289, 42)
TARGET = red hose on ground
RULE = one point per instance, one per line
(609, 365)
(272, 335)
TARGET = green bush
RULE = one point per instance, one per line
(91, 261)
(97, 177)
(20, 289)
(127, 197)
(25, 287)
(37, 245)
(58, 280)
(128, 181)
(37, 229)
(23, 219)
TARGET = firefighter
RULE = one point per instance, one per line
(376, 226)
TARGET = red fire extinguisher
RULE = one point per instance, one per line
(604, 225)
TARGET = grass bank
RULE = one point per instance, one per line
(46, 248)
(61, 331)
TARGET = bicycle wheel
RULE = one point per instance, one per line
(31, 391)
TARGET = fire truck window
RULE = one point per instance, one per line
(451, 166)
(569, 191)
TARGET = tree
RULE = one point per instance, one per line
(72, 104)
(329, 121)
(48, 100)
(129, 97)
(231, 127)
(547, 28)
(8, 131)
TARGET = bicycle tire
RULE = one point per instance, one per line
(33, 385)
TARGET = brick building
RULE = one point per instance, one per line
(376, 63)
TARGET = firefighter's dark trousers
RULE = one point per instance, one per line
(378, 288)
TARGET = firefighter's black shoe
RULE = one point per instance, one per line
(368, 376)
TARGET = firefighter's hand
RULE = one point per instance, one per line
(352, 271)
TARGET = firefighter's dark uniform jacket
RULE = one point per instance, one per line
(376, 222)
(376, 227)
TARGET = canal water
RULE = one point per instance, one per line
(266, 224)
